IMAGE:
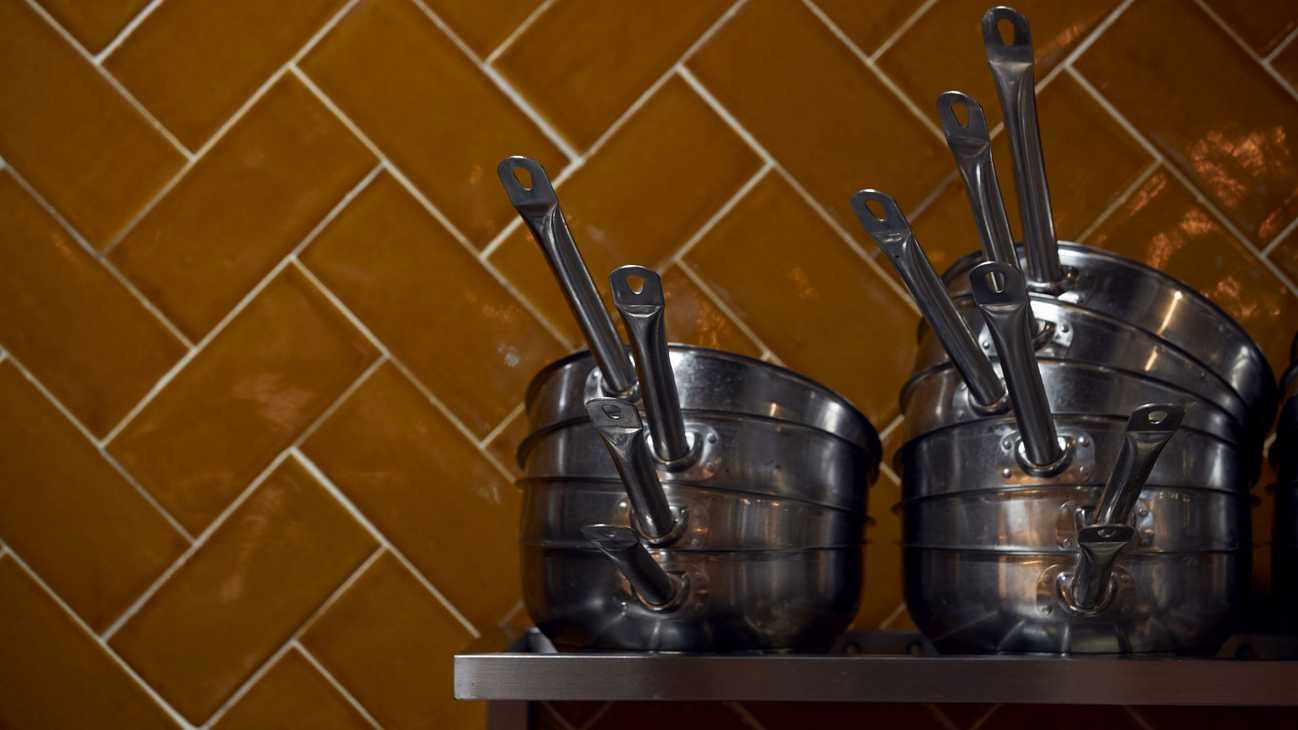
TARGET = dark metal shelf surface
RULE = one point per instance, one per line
(884, 673)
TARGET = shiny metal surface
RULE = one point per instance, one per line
(555, 511)
(1001, 294)
(655, 588)
(971, 146)
(1161, 306)
(990, 601)
(538, 205)
(1013, 70)
(938, 398)
(893, 234)
(706, 380)
(618, 425)
(739, 454)
(1082, 335)
(643, 314)
(756, 601)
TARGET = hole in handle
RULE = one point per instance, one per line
(523, 176)
(636, 283)
(1006, 31)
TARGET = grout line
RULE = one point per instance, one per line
(896, 614)
(1137, 718)
(252, 680)
(1229, 31)
(103, 452)
(870, 64)
(428, 206)
(1181, 178)
(381, 538)
(338, 686)
(940, 716)
(1275, 52)
(729, 205)
(1280, 237)
(724, 308)
(500, 427)
(886, 471)
(902, 29)
(594, 719)
(113, 271)
(927, 201)
(509, 228)
(516, 32)
(762, 152)
(893, 425)
(517, 608)
(239, 306)
(122, 664)
(502, 85)
(1120, 200)
(745, 716)
(983, 718)
(126, 31)
(556, 717)
(1083, 46)
(117, 86)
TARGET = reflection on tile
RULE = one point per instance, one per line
(581, 64)
(193, 63)
(429, 109)
(1090, 161)
(868, 25)
(427, 488)
(235, 601)
(430, 301)
(79, 331)
(1208, 106)
(389, 642)
(110, 545)
(1163, 226)
(693, 318)
(93, 24)
(55, 676)
(785, 76)
(292, 695)
(244, 398)
(97, 175)
(675, 158)
(242, 207)
(944, 49)
(831, 305)
(1263, 24)
(793, 715)
(483, 24)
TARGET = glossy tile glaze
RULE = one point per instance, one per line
(347, 151)
(233, 602)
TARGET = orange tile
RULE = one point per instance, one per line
(869, 24)
(431, 502)
(483, 24)
(582, 64)
(234, 602)
(95, 158)
(809, 297)
(54, 675)
(1162, 225)
(505, 445)
(82, 334)
(245, 397)
(693, 318)
(675, 715)
(1286, 63)
(292, 695)
(787, 79)
(193, 63)
(1090, 159)
(944, 49)
(1263, 24)
(657, 180)
(882, 592)
(432, 303)
(71, 516)
(260, 190)
(389, 642)
(94, 24)
(791, 715)
(429, 109)
(1212, 110)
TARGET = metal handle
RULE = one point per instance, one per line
(656, 588)
(1149, 429)
(971, 145)
(1013, 70)
(619, 425)
(893, 234)
(539, 207)
(1002, 297)
(642, 312)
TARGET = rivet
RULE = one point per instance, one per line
(1006, 472)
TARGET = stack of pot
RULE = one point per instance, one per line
(680, 498)
(1284, 459)
(1084, 430)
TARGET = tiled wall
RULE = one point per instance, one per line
(267, 317)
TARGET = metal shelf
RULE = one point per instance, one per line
(886, 673)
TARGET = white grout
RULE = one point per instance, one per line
(1239, 41)
(495, 432)
(1120, 200)
(1275, 52)
(901, 29)
(941, 717)
(556, 717)
(983, 718)
(745, 716)
(1280, 237)
(896, 614)
(382, 539)
(338, 686)
(723, 211)
(516, 32)
(121, 663)
(725, 309)
(126, 31)
(1083, 45)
